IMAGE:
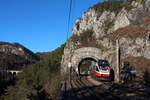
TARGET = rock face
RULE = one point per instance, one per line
(9, 49)
(122, 20)
(90, 21)
(17, 49)
(110, 19)
(135, 47)
(130, 26)
(147, 5)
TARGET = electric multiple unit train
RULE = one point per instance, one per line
(102, 71)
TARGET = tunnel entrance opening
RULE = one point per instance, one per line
(85, 66)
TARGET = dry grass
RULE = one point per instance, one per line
(139, 63)
(132, 30)
(88, 44)
(145, 22)
(53, 87)
(91, 44)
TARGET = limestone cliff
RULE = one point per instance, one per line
(104, 23)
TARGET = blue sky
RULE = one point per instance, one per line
(40, 25)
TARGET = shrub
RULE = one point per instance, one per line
(75, 38)
(31, 83)
(53, 86)
(85, 36)
(111, 5)
(108, 25)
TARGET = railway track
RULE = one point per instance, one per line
(82, 89)
(102, 91)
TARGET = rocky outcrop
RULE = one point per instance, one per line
(18, 50)
(147, 5)
(9, 49)
(109, 21)
(14, 56)
(135, 47)
(130, 26)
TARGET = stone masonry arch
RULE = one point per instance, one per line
(83, 53)
(73, 58)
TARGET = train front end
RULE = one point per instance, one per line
(101, 70)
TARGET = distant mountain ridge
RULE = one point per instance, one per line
(15, 55)
(42, 54)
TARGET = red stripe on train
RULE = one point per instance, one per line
(100, 75)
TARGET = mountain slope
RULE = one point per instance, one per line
(106, 22)
(13, 56)
(35, 82)
(39, 81)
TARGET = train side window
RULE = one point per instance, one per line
(96, 68)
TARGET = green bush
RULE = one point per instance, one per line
(32, 82)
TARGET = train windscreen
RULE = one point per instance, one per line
(103, 64)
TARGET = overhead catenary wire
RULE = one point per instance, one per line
(69, 18)
(73, 9)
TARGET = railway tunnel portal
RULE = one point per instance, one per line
(82, 54)
(75, 58)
